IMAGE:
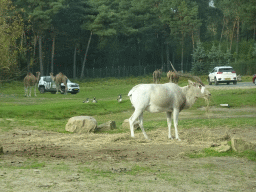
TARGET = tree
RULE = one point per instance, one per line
(212, 55)
(72, 23)
(37, 17)
(11, 26)
(182, 18)
(227, 56)
(199, 65)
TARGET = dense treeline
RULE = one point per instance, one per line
(120, 37)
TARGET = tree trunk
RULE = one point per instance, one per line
(182, 52)
(231, 35)
(82, 72)
(162, 56)
(40, 56)
(237, 36)
(34, 55)
(254, 31)
(52, 59)
(167, 54)
(193, 40)
(74, 64)
(27, 51)
(222, 31)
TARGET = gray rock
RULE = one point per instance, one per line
(81, 124)
(239, 144)
(106, 126)
(222, 147)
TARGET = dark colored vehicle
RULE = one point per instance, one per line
(254, 79)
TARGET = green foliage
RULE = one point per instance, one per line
(131, 33)
(227, 56)
(199, 65)
(11, 25)
(254, 50)
(245, 67)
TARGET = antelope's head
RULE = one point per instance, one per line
(200, 90)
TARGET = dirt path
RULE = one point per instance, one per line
(48, 161)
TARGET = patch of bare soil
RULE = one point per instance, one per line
(116, 162)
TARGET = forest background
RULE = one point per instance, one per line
(101, 38)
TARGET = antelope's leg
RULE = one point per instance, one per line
(169, 123)
(132, 119)
(175, 122)
(141, 125)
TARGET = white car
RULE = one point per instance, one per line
(46, 84)
(223, 74)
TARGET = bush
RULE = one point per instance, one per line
(244, 67)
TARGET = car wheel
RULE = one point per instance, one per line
(41, 89)
(215, 81)
(254, 81)
(73, 92)
(53, 92)
(210, 83)
(235, 82)
(227, 83)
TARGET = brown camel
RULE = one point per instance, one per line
(173, 77)
(58, 79)
(29, 81)
(157, 76)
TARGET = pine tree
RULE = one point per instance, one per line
(227, 56)
(212, 55)
(199, 65)
(254, 50)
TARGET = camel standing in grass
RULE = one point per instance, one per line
(29, 81)
(173, 77)
(58, 79)
(157, 76)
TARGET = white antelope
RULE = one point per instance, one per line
(169, 98)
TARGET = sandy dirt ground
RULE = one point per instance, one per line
(48, 161)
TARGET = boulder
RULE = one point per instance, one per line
(81, 124)
(238, 144)
(222, 147)
(126, 124)
(239, 78)
(106, 126)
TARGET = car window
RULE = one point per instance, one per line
(48, 79)
(226, 69)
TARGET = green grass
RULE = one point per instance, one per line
(50, 111)
(209, 152)
(28, 164)
(234, 97)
